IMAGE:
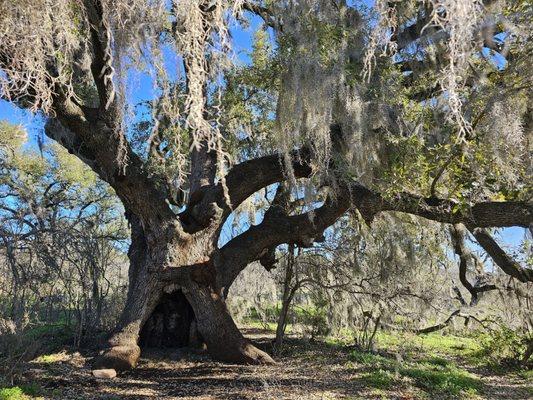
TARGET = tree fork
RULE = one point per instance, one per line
(155, 314)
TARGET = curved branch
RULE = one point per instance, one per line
(263, 12)
(304, 229)
(501, 258)
(242, 181)
(278, 228)
(458, 234)
(92, 140)
(445, 323)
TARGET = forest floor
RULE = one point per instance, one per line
(402, 367)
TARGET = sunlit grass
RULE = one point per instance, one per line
(433, 343)
(22, 392)
(449, 379)
(51, 358)
(13, 393)
(430, 373)
(379, 379)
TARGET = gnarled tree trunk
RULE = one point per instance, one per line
(174, 305)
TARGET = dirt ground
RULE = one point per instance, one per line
(305, 371)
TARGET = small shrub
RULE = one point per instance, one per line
(13, 393)
(502, 346)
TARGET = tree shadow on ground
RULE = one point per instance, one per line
(305, 370)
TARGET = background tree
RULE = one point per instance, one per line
(61, 233)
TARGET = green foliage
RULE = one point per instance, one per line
(55, 334)
(21, 392)
(431, 373)
(439, 361)
(11, 136)
(32, 389)
(70, 169)
(380, 379)
(49, 358)
(434, 344)
(268, 314)
(13, 393)
(502, 346)
(442, 379)
(367, 358)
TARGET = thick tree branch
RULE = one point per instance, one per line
(306, 228)
(83, 134)
(101, 65)
(500, 257)
(278, 228)
(479, 215)
(264, 13)
(247, 178)
(242, 181)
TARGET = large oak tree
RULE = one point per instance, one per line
(419, 107)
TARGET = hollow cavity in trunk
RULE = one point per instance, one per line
(171, 324)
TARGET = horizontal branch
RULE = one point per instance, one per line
(278, 228)
(444, 324)
(479, 215)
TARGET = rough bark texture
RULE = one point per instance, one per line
(223, 338)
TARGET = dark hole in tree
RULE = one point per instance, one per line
(170, 323)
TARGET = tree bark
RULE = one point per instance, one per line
(224, 340)
(174, 312)
(144, 292)
(288, 294)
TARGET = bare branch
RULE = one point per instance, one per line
(500, 257)
(457, 232)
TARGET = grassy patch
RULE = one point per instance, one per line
(433, 344)
(371, 359)
(379, 379)
(430, 373)
(51, 358)
(449, 379)
(526, 374)
(439, 361)
(21, 392)
(13, 393)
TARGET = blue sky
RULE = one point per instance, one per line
(143, 90)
